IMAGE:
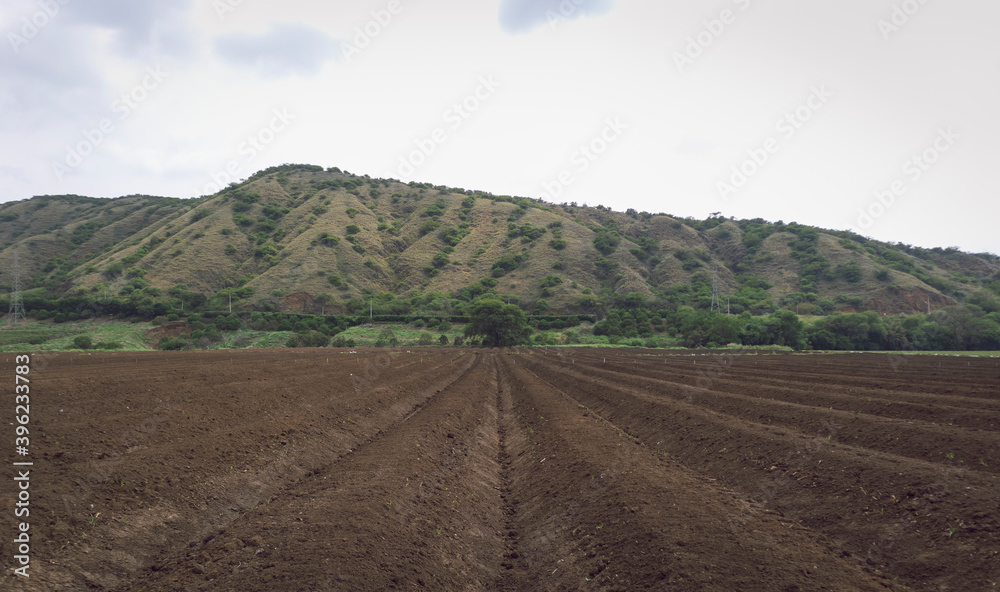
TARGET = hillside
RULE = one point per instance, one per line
(303, 239)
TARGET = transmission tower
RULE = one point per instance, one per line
(16, 304)
(715, 288)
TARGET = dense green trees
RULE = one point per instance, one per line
(960, 327)
(497, 324)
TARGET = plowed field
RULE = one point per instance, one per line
(448, 469)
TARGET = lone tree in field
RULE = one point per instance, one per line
(499, 324)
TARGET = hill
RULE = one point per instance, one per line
(301, 238)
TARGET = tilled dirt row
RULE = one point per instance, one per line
(416, 506)
(902, 386)
(928, 523)
(597, 510)
(450, 469)
(938, 430)
(135, 465)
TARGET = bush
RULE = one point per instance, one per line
(387, 338)
(328, 240)
(308, 339)
(114, 270)
(606, 241)
(172, 344)
(443, 340)
(440, 260)
(82, 342)
(506, 264)
(229, 322)
(850, 271)
(550, 281)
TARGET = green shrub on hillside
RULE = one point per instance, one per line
(850, 271)
(506, 264)
(328, 240)
(606, 241)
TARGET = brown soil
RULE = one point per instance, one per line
(299, 302)
(169, 329)
(451, 469)
(894, 300)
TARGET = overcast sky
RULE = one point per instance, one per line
(873, 115)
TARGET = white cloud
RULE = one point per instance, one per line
(286, 49)
(558, 86)
(139, 28)
(519, 16)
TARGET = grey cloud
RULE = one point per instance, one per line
(12, 172)
(49, 83)
(154, 28)
(520, 16)
(284, 50)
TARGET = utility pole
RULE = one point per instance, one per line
(230, 301)
(715, 287)
(16, 304)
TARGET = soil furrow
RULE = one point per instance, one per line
(454, 469)
(622, 517)
(392, 515)
(887, 511)
(919, 439)
(207, 487)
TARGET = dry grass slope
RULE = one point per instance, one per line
(389, 236)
